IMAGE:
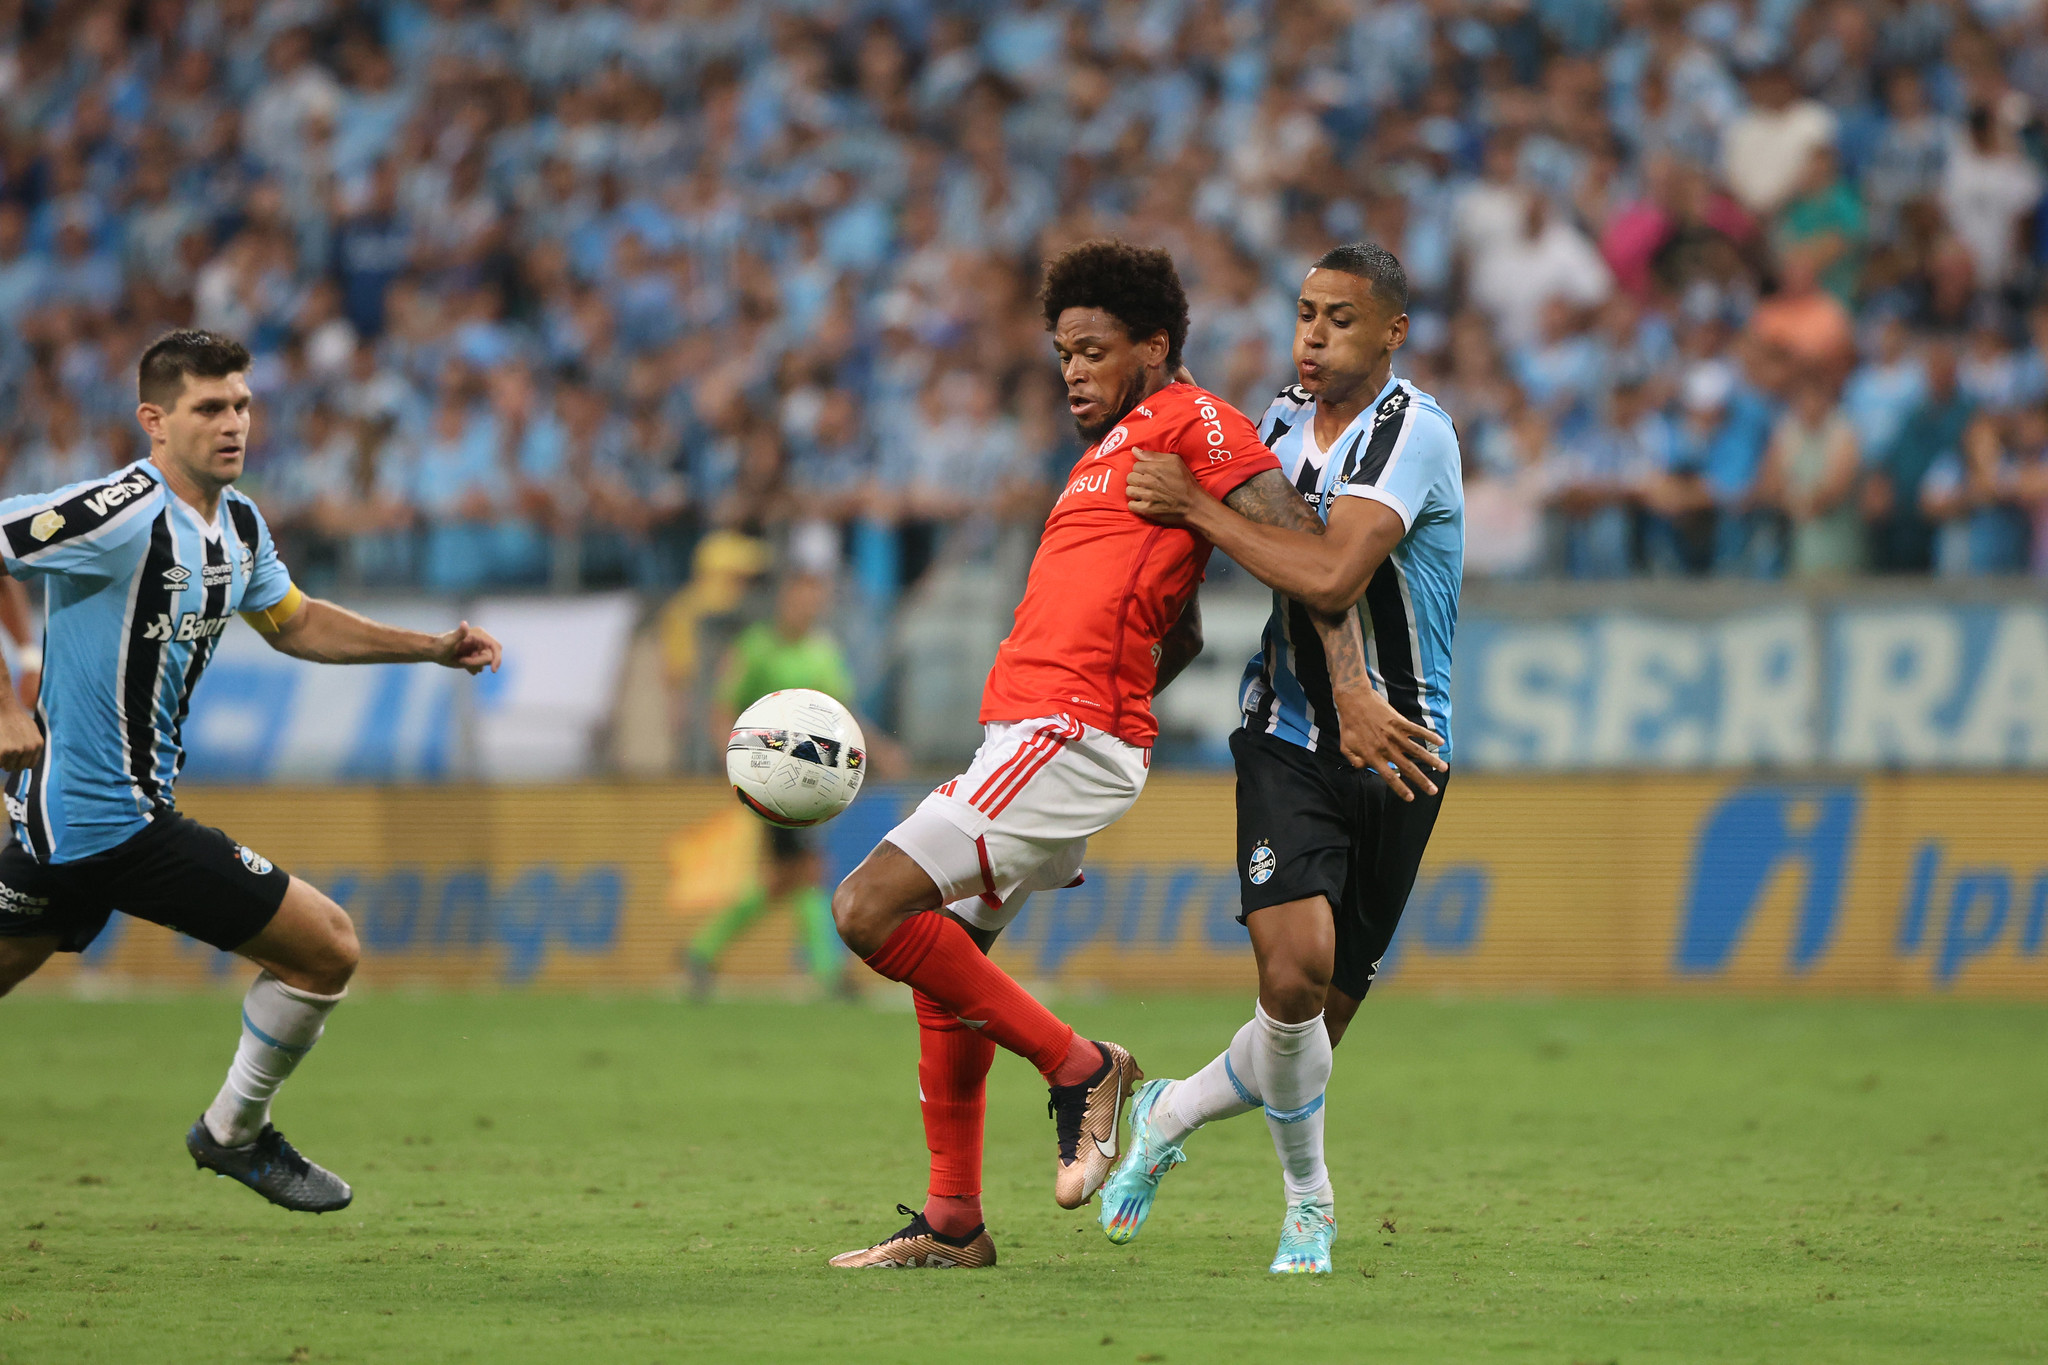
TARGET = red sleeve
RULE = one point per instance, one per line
(1221, 447)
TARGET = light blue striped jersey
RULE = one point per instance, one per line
(1403, 452)
(137, 588)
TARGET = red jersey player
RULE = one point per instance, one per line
(1108, 618)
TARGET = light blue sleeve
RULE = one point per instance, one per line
(82, 529)
(1420, 469)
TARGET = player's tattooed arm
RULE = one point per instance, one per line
(1270, 500)
(1289, 550)
(1372, 733)
(1181, 645)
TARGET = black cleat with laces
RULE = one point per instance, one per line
(273, 1168)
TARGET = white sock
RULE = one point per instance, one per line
(280, 1024)
(1294, 1070)
(1225, 1088)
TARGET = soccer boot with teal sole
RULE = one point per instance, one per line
(1305, 1237)
(273, 1168)
(1127, 1197)
(921, 1247)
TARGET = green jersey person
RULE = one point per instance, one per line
(789, 651)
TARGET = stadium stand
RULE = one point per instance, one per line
(543, 293)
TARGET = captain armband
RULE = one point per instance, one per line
(271, 620)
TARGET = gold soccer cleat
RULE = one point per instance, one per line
(922, 1247)
(1088, 1121)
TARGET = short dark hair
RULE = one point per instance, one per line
(1375, 265)
(160, 378)
(1136, 285)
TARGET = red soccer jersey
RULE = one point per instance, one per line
(1106, 584)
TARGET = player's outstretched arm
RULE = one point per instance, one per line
(1268, 529)
(328, 634)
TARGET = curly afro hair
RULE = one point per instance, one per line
(1136, 285)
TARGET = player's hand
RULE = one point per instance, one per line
(1378, 737)
(1160, 488)
(467, 647)
(21, 743)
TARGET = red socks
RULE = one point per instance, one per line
(934, 956)
(952, 1074)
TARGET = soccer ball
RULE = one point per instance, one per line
(796, 758)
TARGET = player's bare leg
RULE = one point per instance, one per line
(21, 958)
(886, 911)
(308, 953)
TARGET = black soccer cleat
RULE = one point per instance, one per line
(273, 1168)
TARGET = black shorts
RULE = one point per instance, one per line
(178, 873)
(1313, 825)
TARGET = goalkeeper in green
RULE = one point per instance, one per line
(789, 651)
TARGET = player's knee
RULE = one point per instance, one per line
(345, 952)
(331, 960)
(854, 915)
(1292, 992)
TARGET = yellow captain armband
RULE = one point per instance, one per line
(271, 620)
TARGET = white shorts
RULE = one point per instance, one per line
(1019, 818)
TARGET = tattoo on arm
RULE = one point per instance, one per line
(1344, 650)
(1270, 500)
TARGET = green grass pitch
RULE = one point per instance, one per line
(567, 1179)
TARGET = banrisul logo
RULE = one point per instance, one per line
(1756, 835)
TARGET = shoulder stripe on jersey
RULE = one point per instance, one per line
(1299, 397)
(1390, 423)
(82, 516)
(243, 514)
(149, 635)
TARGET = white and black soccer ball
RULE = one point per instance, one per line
(796, 758)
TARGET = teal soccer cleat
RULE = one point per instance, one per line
(1305, 1237)
(1127, 1197)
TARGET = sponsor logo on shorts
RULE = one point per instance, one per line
(17, 810)
(1260, 868)
(14, 902)
(253, 860)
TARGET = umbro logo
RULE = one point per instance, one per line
(176, 577)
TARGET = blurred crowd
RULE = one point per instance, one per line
(543, 292)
